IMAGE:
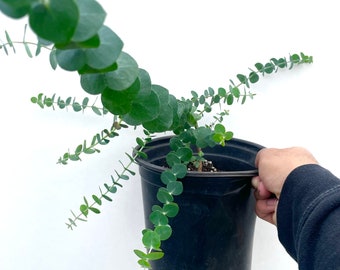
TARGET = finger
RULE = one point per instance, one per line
(258, 155)
(261, 193)
(266, 210)
(267, 206)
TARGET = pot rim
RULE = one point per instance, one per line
(243, 173)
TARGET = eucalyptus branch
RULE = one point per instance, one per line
(211, 98)
(177, 160)
(39, 45)
(44, 101)
(102, 138)
(112, 188)
(95, 52)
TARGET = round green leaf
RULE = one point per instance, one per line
(194, 94)
(71, 60)
(269, 68)
(145, 106)
(156, 208)
(119, 102)
(242, 78)
(216, 99)
(180, 170)
(15, 8)
(230, 99)
(171, 209)
(91, 18)
(126, 73)
(48, 102)
(253, 77)
(235, 91)
(218, 138)
(158, 218)
(175, 187)
(219, 128)
(167, 176)
(203, 136)
(164, 196)
(164, 119)
(93, 83)
(107, 53)
(282, 63)
(172, 158)
(295, 58)
(54, 20)
(184, 153)
(145, 81)
(151, 239)
(84, 210)
(175, 143)
(164, 232)
(222, 92)
(140, 142)
(228, 135)
(259, 67)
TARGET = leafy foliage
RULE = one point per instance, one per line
(101, 138)
(11, 44)
(74, 33)
(44, 101)
(110, 188)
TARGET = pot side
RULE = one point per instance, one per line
(215, 225)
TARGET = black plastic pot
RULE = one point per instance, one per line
(215, 226)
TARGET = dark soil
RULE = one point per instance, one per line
(207, 166)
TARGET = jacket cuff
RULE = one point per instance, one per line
(301, 192)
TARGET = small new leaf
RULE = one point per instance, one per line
(144, 263)
(28, 50)
(84, 210)
(107, 198)
(94, 210)
(140, 142)
(152, 256)
(8, 39)
(97, 200)
(140, 254)
(235, 92)
(96, 110)
(253, 77)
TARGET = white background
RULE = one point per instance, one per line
(185, 45)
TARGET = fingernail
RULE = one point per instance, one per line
(255, 181)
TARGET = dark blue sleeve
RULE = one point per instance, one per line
(308, 218)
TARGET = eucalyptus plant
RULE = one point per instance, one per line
(78, 40)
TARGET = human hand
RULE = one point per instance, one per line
(274, 165)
